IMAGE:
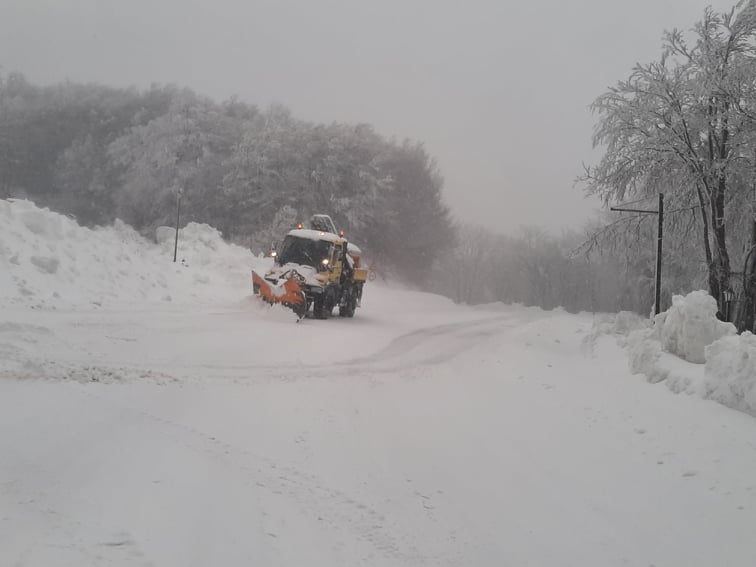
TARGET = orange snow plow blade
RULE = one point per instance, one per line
(289, 293)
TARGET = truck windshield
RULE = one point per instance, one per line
(303, 251)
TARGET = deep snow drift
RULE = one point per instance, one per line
(209, 430)
(49, 261)
(713, 361)
(690, 325)
(731, 372)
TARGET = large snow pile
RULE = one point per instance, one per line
(685, 330)
(684, 338)
(48, 261)
(618, 325)
(690, 325)
(647, 357)
(644, 346)
(731, 372)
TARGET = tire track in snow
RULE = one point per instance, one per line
(428, 346)
(432, 345)
(311, 494)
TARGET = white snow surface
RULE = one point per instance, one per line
(210, 430)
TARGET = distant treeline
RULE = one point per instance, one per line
(101, 153)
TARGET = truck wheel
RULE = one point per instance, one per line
(319, 307)
(349, 307)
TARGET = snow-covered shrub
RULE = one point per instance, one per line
(603, 324)
(731, 372)
(619, 326)
(626, 322)
(644, 351)
(691, 325)
(623, 323)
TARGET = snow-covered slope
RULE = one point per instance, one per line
(208, 430)
(49, 261)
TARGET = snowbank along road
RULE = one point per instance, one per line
(209, 430)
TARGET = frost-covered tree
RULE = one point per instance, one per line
(682, 126)
(416, 227)
(82, 173)
(102, 153)
(179, 151)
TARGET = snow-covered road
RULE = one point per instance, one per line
(418, 433)
(151, 414)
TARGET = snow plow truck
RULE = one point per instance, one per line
(314, 268)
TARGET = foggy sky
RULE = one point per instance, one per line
(497, 90)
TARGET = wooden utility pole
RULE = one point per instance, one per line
(747, 308)
(659, 238)
(178, 214)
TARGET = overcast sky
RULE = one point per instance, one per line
(497, 90)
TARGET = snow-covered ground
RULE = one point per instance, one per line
(208, 430)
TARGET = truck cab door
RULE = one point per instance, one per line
(336, 262)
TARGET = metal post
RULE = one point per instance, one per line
(178, 213)
(659, 237)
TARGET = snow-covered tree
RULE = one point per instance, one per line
(683, 125)
(179, 151)
(101, 153)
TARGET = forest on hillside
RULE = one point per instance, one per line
(101, 153)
